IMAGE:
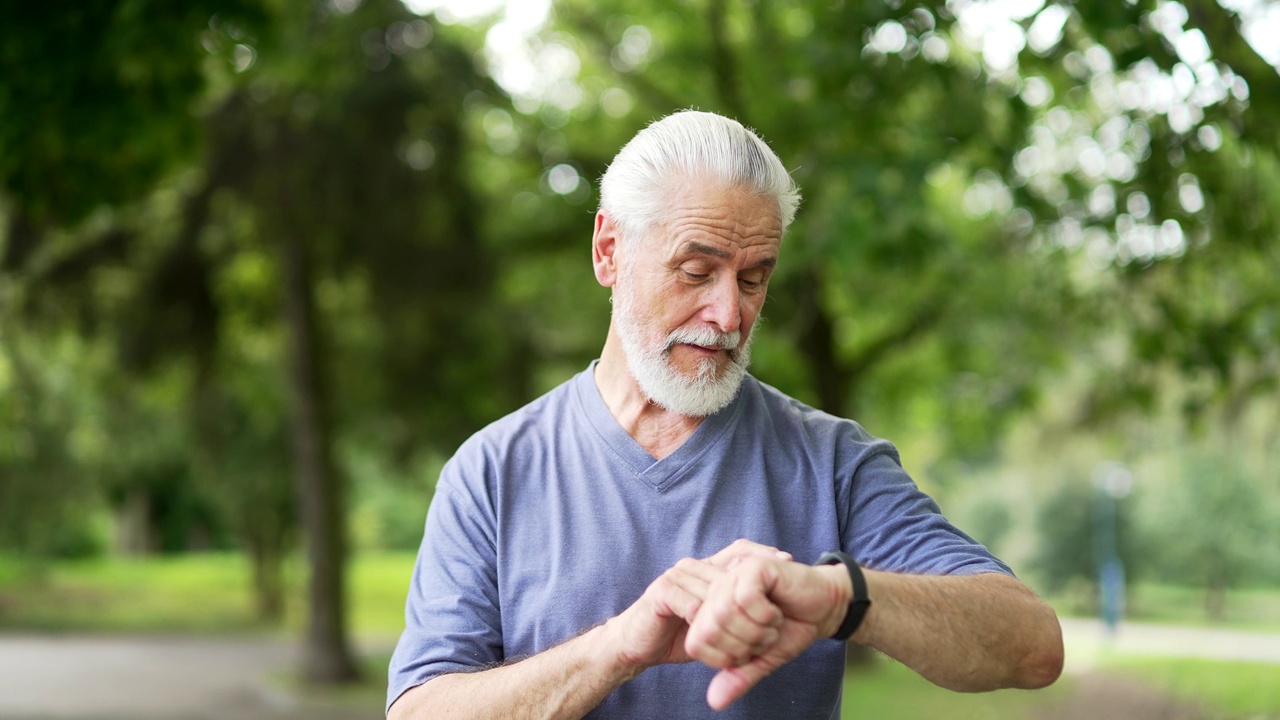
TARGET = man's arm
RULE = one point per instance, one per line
(967, 633)
(568, 680)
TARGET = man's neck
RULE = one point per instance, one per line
(658, 430)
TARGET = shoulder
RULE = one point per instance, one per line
(538, 419)
(791, 420)
(513, 438)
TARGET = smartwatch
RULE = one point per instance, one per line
(858, 606)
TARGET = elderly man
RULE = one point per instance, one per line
(557, 576)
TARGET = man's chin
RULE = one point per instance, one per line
(703, 371)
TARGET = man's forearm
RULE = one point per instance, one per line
(564, 682)
(966, 633)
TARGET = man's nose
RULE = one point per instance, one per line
(723, 304)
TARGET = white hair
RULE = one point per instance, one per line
(635, 189)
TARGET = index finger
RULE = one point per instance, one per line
(743, 548)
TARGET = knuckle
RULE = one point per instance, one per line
(722, 614)
(696, 646)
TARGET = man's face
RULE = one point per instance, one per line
(688, 295)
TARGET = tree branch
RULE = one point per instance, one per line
(723, 66)
(926, 315)
(586, 28)
(1228, 45)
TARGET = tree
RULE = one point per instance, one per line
(886, 282)
(1211, 526)
(342, 141)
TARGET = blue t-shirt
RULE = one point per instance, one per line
(552, 520)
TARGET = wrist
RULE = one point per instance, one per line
(612, 651)
(860, 600)
(840, 594)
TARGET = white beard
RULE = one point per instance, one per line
(649, 360)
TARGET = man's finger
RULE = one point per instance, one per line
(694, 578)
(723, 637)
(725, 633)
(699, 572)
(743, 548)
(732, 683)
(750, 594)
(674, 598)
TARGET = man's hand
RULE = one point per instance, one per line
(653, 630)
(568, 680)
(761, 614)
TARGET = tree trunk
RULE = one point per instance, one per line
(833, 385)
(134, 535)
(268, 580)
(1215, 597)
(326, 655)
(831, 379)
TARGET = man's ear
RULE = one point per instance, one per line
(604, 249)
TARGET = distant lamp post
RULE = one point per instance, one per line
(1111, 482)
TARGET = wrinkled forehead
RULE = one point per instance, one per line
(728, 212)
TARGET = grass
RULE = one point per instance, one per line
(379, 585)
(210, 593)
(204, 593)
(890, 690)
(1241, 689)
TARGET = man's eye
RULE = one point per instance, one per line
(695, 276)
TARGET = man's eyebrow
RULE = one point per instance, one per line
(693, 247)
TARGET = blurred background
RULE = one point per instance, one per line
(264, 264)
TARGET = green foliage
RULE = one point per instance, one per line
(886, 287)
(48, 508)
(390, 504)
(959, 268)
(1214, 526)
(98, 95)
(1067, 522)
(1245, 608)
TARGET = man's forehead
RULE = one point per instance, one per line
(707, 219)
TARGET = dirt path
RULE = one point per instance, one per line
(129, 678)
(119, 678)
(1105, 697)
(1086, 640)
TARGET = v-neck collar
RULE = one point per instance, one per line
(660, 474)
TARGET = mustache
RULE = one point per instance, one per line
(704, 336)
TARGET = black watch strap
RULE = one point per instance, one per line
(858, 606)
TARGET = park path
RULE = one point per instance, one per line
(1087, 640)
(150, 678)
(185, 678)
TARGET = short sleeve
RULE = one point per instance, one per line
(892, 525)
(452, 617)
